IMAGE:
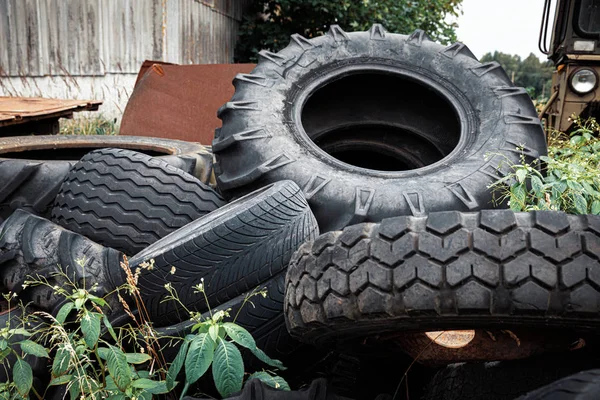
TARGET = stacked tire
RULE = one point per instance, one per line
(351, 182)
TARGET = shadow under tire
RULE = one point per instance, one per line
(231, 251)
(447, 270)
(373, 125)
(33, 168)
(128, 200)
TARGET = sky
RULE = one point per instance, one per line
(509, 26)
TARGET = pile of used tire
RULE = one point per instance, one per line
(352, 181)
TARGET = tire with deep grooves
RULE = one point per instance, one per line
(128, 200)
(32, 169)
(272, 130)
(234, 249)
(33, 246)
(448, 270)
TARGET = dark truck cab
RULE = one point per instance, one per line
(574, 47)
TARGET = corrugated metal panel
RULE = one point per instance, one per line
(95, 37)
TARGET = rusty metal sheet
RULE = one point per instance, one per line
(180, 101)
(15, 110)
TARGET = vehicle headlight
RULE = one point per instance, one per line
(583, 81)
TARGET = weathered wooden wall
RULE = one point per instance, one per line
(99, 37)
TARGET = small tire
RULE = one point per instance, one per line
(230, 251)
(32, 246)
(584, 385)
(128, 200)
(373, 125)
(33, 168)
(448, 270)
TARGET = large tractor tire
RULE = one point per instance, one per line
(448, 270)
(33, 168)
(581, 386)
(374, 125)
(128, 200)
(230, 251)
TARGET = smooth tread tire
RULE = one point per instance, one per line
(231, 251)
(32, 246)
(33, 168)
(128, 200)
(447, 270)
(584, 385)
(373, 125)
(506, 380)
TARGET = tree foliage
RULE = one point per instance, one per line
(530, 73)
(269, 23)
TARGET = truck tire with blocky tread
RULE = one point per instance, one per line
(32, 246)
(231, 251)
(128, 200)
(33, 168)
(348, 117)
(447, 270)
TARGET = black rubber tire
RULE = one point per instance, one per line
(33, 246)
(233, 249)
(257, 390)
(33, 167)
(504, 380)
(128, 200)
(581, 386)
(448, 270)
(355, 94)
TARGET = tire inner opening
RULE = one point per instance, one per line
(68, 154)
(383, 122)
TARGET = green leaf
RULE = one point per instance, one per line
(61, 380)
(75, 390)
(521, 174)
(596, 207)
(118, 368)
(110, 329)
(90, 327)
(20, 331)
(199, 357)
(103, 352)
(144, 383)
(99, 301)
(137, 358)
(227, 368)
(176, 365)
(31, 347)
(239, 335)
(4, 353)
(537, 185)
(258, 353)
(160, 388)
(64, 312)
(213, 331)
(274, 381)
(60, 365)
(242, 337)
(22, 377)
(580, 203)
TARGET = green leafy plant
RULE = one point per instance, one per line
(212, 343)
(92, 125)
(569, 182)
(94, 360)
